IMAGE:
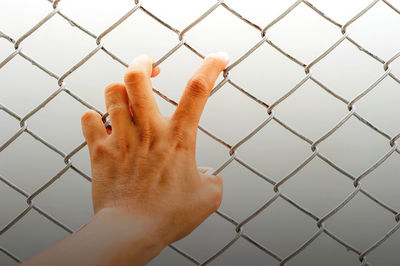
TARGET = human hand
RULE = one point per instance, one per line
(145, 167)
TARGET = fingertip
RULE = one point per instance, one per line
(222, 58)
(155, 71)
(88, 116)
(92, 126)
(142, 63)
(112, 89)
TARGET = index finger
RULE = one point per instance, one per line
(197, 90)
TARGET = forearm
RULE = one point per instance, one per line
(110, 238)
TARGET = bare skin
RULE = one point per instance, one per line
(147, 190)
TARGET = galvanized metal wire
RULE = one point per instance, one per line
(234, 148)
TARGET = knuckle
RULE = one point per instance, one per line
(123, 145)
(133, 75)
(99, 151)
(117, 109)
(179, 137)
(181, 143)
(199, 85)
(162, 151)
(87, 116)
(140, 102)
(146, 135)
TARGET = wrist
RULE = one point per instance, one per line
(129, 232)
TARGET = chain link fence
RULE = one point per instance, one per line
(271, 114)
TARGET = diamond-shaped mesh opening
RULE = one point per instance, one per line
(281, 227)
(309, 116)
(15, 21)
(17, 91)
(361, 222)
(266, 81)
(62, 41)
(90, 80)
(238, 116)
(62, 121)
(347, 71)
(346, 144)
(222, 28)
(305, 33)
(374, 30)
(159, 39)
(182, 61)
(318, 187)
(271, 159)
(37, 170)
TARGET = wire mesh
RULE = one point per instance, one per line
(234, 148)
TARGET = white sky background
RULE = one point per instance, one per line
(229, 114)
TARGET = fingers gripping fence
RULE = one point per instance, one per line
(234, 148)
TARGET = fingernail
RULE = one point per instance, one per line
(207, 170)
(222, 55)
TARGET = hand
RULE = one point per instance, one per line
(145, 167)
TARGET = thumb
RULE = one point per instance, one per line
(207, 174)
(214, 185)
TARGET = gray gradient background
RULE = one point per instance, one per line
(229, 114)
